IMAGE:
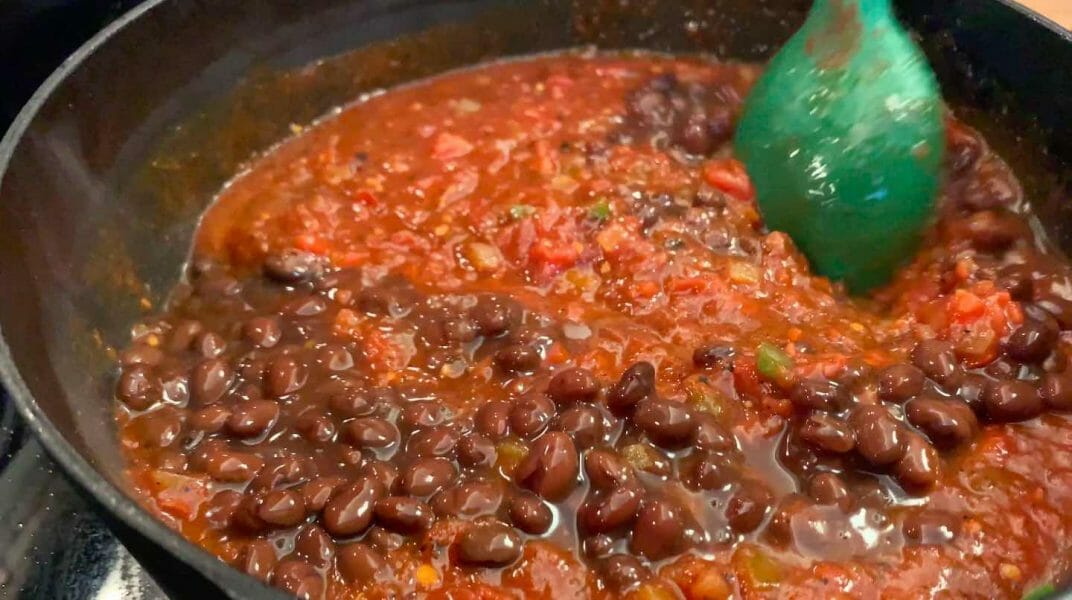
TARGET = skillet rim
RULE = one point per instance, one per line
(107, 495)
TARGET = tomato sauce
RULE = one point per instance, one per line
(520, 331)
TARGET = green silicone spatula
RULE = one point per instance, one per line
(843, 137)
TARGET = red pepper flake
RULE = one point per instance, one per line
(730, 177)
(449, 147)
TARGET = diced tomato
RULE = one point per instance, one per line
(179, 495)
(746, 377)
(614, 239)
(385, 352)
(449, 147)
(552, 256)
(311, 243)
(557, 354)
(966, 306)
(730, 177)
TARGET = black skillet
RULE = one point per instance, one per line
(100, 190)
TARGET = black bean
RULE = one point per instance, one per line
(299, 579)
(284, 508)
(489, 544)
(584, 423)
(606, 470)
(160, 428)
(828, 433)
(493, 419)
(899, 382)
(637, 383)
(748, 506)
(1056, 390)
(210, 344)
(258, 558)
(426, 476)
(183, 335)
(780, 528)
(667, 423)
(1018, 279)
(316, 427)
(829, 488)
(334, 357)
(434, 441)
(709, 434)
(1008, 401)
(370, 432)
(349, 512)
(531, 415)
(138, 388)
(597, 546)
(470, 499)
(971, 389)
(814, 394)
(285, 375)
(530, 514)
(404, 514)
(919, 467)
(550, 469)
(140, 354)
(622, 572)
(209, 380)
(714, 356)
(1033, 341)
(293, 266)
(573, 385)
(384, 472)
(660, 529)
(879, 438)
(316, 493)
(476, 450)
(495, 315)
(936, 359)
(315, 545)
(611, 509)
(518, 359)
(231, 466)
(947, 423)
(708, 470)
(359, 563)
(281, 471)
(421, 414)
(263, 331)
(253, 418)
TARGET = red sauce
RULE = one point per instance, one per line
(520, 331)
